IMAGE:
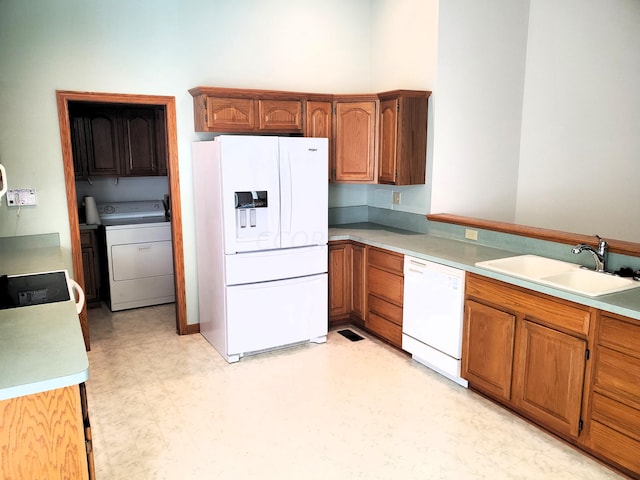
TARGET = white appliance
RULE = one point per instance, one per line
(3, 181)
(432, 315)
(261, 205)
(139, 254)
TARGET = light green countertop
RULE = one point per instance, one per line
(464, 255)
(41, 346)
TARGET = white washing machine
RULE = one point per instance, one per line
(139, 254)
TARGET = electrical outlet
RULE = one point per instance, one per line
(396, 198)
(18, 197)
(471, 234)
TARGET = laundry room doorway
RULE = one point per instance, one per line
(64, 98)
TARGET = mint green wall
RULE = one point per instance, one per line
(162, 47)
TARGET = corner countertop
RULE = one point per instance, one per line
(464, 255)
(41, 346)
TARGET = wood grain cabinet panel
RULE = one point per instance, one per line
(613, 425)
(358, 282)
(385, 288)
(42, 436)
(542, 341)
(355, 134)
(487, 349)
(280, 115)
(318, 124)
(403, 137)
(549, 377)
(225, 114)
(339, 281)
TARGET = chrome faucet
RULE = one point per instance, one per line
(599, 255)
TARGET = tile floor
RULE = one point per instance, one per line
(164, 406)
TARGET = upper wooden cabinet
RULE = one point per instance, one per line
(318, 122)
(355, 140)
(373, 138)
(234, 110)
(113, 140)
(403, 137)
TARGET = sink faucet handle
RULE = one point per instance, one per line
(602, 244)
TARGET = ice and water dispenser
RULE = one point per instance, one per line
(252, 213)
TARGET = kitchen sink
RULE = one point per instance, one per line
(588, 282)
(558, 274)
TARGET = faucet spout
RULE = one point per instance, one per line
(599, 254)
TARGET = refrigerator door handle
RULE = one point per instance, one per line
(286, 193)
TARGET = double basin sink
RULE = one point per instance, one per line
(558, 274)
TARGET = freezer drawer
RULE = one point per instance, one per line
(275, 264)
(274, 314)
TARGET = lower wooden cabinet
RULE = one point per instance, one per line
(613, 420)
(548, 377)
(44, 435)
(487, 349)
(385, 289)
(339, 281)
(526, 350)
(358, 283)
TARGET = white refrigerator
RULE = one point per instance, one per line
(261, 214)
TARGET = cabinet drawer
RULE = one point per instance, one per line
(616, 415)
(539, 308)
(618, 375)
(615, 446)
(280, 115)
(384, 284)
(386, 260)
(230, 114)
(619, 335)
(386, 309)
(386, 329)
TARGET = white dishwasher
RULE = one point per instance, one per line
(432, 315)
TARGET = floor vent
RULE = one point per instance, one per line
(354, 337)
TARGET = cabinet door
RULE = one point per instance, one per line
(339, 281)
(230, 114)
(104, 148)
(280, 115)
(388, 141)
(89, 268)
(355, 142)
(487, 349)
(79, 143)
(549, 377)
(359, 290)
(317, 123)
(141, 156)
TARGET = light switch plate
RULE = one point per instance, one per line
(396, 198)
(18, 197)
(471, 234)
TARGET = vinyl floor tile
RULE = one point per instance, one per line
(169, 407)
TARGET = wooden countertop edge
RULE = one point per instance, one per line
(615, 246)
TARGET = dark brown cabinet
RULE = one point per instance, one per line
(90, 266)
(113, 140)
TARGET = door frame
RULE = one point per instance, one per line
(63, 97)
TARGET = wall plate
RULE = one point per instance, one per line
(18, 197)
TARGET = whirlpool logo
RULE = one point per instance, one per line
(313, 149)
